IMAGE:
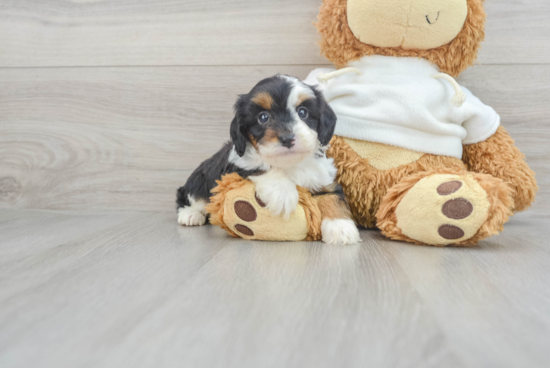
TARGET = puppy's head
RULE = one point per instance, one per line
(284, 119)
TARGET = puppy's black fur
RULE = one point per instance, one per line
(203, 179)
(246, 129)
(321, 118)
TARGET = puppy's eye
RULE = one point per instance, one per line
(302, 112)
(263, 118)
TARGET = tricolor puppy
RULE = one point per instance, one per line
(278, 140)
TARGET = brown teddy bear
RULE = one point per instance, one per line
(418, 156)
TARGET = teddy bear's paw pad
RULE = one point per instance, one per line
(245, 211)
(244, 230)
(246, 214)
(449, 187)
(451, 232)
(443, 209)
(457, 209)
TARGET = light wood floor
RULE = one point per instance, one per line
(133, 289)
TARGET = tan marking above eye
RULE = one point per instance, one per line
(264, 100)
(302, 98)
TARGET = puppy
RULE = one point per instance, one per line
(279, 137)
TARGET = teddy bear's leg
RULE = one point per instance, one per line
(499, 156)
(443, 207)
(236, 207)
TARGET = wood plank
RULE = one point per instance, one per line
(146, 292)
(220, 32)
(170, 294)
(499, 289)
(517, 32)
(126, 138)
(29, 233)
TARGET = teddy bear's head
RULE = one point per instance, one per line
(446, 32)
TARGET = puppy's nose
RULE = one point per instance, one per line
(287, 140)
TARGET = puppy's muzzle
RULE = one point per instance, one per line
(287, 140)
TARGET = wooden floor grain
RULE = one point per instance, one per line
(133, 289)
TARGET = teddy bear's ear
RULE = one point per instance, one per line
(341, 46)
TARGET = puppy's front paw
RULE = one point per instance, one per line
(280, 202)
(279, 195)
(190, 217)
(340, 231)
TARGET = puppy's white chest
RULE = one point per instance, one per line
(313, 173)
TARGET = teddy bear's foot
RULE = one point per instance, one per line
(340, 231)
(248, 217)
(445, 209)
(238, 209)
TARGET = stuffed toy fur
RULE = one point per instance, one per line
(416, 190)
(453, 190)
(235, 205)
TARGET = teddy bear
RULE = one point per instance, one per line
(419, 156)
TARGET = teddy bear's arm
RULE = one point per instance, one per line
(498, 156)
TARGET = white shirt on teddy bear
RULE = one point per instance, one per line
(397, 102)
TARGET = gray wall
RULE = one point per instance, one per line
(111, 104)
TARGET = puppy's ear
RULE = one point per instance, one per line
(237, 136)
(327, 120)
